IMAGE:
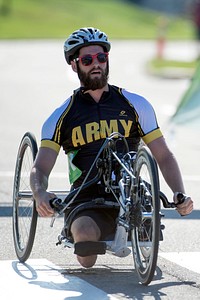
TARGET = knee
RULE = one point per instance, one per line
(88, 261)
(85, 229)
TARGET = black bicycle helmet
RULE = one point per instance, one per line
(84, 37)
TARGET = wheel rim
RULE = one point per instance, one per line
(145, 237)
(24, 212)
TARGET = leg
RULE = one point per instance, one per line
(85, 229)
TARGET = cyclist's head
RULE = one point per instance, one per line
(84, 37)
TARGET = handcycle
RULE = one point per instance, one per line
(131, 177)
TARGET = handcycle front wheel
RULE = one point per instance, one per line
(145, 237)
(24, 209)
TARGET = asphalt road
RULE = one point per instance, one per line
(34, 79)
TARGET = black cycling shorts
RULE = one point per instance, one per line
(104, 218)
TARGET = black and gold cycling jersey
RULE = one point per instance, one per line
(80, 124)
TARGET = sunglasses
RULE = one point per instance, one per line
(87, 59)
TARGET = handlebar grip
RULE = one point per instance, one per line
(56, 204)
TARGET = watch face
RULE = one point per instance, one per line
(180, 197)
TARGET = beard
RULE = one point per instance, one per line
(93, 83)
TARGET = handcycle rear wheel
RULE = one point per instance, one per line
(145, 237)
(24, 209)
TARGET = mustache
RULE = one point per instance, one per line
(96, 69)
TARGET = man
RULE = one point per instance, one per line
(80, 126)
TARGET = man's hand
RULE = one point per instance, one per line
(186, 204)
(42, 204)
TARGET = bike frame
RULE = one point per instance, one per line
(125, 187)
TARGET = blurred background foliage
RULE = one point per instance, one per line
(27, 19)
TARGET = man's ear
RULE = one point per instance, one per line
(74, 66)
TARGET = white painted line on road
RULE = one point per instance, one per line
(40, 279)
(53, 174)
(188, 260)
(191, 177)
(64, 175)
(6, 174)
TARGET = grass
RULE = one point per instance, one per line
(172, 68)
(58, 18)
(164, 63)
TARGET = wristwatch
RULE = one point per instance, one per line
(180, 197)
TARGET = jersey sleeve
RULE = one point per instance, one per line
(146, 117)
(50, 135)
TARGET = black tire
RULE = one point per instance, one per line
(145, 236)
(24, 209)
